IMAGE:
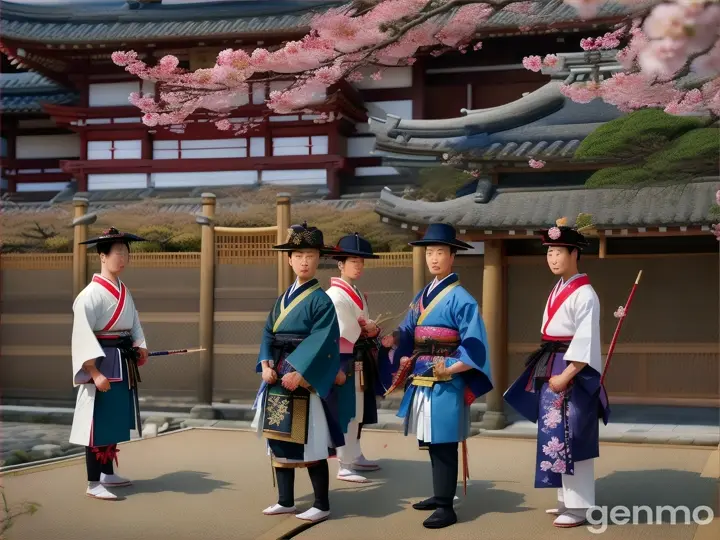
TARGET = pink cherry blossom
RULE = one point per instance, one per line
(717, 197)
(532, 63)
(552, 418)
(559, 466)
(619, 312)
(545, 465)
(536, 163)
(551, 60)
(554, 448)
(554, 233)
(223, 124)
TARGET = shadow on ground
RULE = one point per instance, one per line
(657, 488)
(402, 482)
(188, 482)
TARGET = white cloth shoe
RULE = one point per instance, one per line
(314, 515)
(96, 490)
(348, 475)
(557, 511)
(276, 510)
(113, 480)
(364, 464)
(571, 518)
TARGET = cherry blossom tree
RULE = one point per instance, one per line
(671, 53)
(669, 49)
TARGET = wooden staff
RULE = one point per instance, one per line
(626, 308)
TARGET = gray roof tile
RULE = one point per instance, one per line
(677, 205)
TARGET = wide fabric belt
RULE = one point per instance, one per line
(540, 361)
(425, 353)
(282, 346)
(123, 341)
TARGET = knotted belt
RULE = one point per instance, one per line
(282, 346)
(421, 369)
(124, 343)
(365, 360)
(540, 362)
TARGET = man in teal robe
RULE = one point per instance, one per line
(299, 359)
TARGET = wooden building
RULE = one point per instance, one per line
(668, 351)
(67, 125)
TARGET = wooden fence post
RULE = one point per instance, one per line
(204, 408)
(81, 220)
(283, 224)
(418, 265)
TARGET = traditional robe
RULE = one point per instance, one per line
(359, 404)
(568, 432)
(301, 334)
(103, 308)
(447, 314)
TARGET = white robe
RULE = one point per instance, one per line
(94, 308)
(348, 312)
(579, 317)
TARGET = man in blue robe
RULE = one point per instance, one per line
(560, 388)
(444, 356)
(299, 359)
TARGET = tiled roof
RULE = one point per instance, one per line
(117, 22)
(26, 92)
(535, 208)
(541, 124)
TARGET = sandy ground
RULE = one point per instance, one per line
(213, 484)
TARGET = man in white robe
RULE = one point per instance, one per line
(108, 345)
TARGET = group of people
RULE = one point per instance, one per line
(323, 361)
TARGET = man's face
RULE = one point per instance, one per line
(304, 262)
(560, 259)
(439, 260)
(117, 258)
(352, 267)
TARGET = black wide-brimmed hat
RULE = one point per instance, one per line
(354, 245)
(111, 236)
(441, 234)
(563, 236)
(304, 237)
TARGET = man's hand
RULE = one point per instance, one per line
(143, 356)
(369, 328)
(558, 383)
(101, 382)
(291, 381)
(387, 341)
(269, 375)
(440, 368)
(340, 378)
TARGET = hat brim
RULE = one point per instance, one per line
(352, 253)
(458, 244)
(124, 237)
(289, 246)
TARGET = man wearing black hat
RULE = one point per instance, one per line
(299, 359)
(560, 388)
(108, 345)
(356, 381)
(446, 362)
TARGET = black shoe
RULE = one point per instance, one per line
(427, 504)
(442, 517)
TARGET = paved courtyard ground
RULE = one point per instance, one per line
(206, 484)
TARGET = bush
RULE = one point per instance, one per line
(639, 132)
(58, 244)
(619, 176)
(440, 183)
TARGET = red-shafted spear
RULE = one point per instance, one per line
(621, 313)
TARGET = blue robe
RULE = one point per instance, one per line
(450, 401)
(316, 358)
